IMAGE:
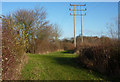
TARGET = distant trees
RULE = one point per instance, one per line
(113, 29)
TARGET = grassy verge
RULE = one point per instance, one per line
(56, 66)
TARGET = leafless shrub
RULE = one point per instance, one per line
(103, 57)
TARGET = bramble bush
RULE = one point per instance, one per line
(103, 57)
(11, 54)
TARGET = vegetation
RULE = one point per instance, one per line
(27, 31)
(103, 57)
(56, 66)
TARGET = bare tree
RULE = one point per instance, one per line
(32, 28)
(113, 30)
(57, 31)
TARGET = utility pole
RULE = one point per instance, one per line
(81, 20)
(81, 27)
(74, 29)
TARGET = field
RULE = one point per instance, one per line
(56, 66)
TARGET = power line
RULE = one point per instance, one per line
(81, 20)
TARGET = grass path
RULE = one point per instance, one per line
(56, 66)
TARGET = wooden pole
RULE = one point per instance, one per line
(74, 29)
(81, 27)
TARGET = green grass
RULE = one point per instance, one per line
(56, 66)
